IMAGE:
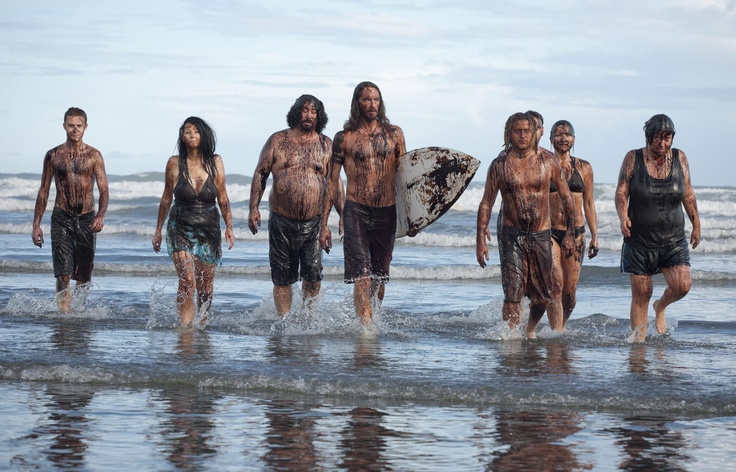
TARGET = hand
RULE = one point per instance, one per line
(156, 241)
(695, 238)
(481, 247)
(254, 220)
(568, 245)
(339, 227)
(37, 236)
(97, 224)
(230, 238)
(593, 249)
(325, 239)
(626, 227)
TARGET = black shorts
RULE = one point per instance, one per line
(526, 264)
(370, 234)
(294, 249)
(72, 244)
(637, 261)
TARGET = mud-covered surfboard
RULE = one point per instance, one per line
(428, 182)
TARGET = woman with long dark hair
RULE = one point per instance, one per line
(195, 181)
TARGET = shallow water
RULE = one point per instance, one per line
(442, 384)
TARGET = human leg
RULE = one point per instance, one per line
(571, 266)
(64, 293)
(362, 299)
(678, 285)
(536, 312)
(641, 293)
(310, 290)
(184, 265)
(205, 280)
(511, 313)
(282, 297)
(554, 307)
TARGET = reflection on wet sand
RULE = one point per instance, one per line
(649, 444)
(364, 440)
(67, 427)
(290, 437)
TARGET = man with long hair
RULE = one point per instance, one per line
(523, 173)
(299, 158)
(367, 149)
(74, 167)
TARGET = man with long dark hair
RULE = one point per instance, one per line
(298, 157)
(74, 167)
(523, 173)
(367, 149)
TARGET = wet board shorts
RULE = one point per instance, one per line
(370, 234)
(294, 250)
(72, 244)
(526, 264)
(638, 261)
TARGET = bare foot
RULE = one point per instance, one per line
(531, 334)
(660, 322)
(64, 300)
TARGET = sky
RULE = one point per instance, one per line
(451, 72)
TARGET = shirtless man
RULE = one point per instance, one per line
(74, 167)
(299, 159)
(368, 149)
(523, 173)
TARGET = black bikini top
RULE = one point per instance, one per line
(575, 183)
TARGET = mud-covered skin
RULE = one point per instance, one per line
(370, 159)
(299, 166)
(566, 267)
(523, 176)
(658, 161)
(74, 167)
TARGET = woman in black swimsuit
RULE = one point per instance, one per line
(195, 180)
(579, 176)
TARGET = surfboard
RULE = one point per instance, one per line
(428, 182)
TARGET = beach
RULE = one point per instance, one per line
(443, 385)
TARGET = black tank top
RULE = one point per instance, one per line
(575, 183)
(655, 205)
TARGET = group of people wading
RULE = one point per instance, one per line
(547, 197)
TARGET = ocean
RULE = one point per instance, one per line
(444, 385)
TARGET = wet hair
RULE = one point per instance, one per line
(658, 124)
(352, 122)
(74, 111)
(561, 123)
(207, 141)
(295, 113)
(511, 122)
(536, 115)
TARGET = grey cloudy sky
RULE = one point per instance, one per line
(451, 72)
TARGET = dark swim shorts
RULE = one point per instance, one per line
(72, 244)
(368, 246)
(637, 261)
(526, 264)
(294, 245)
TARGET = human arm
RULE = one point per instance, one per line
(568, 205)
(258, 184)
(622, 193)
(331, 194)
(101, 178)
(485, 207)
(42, 200)
(589, 208)
(224, 202)
(171, 174)
(689, 202)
